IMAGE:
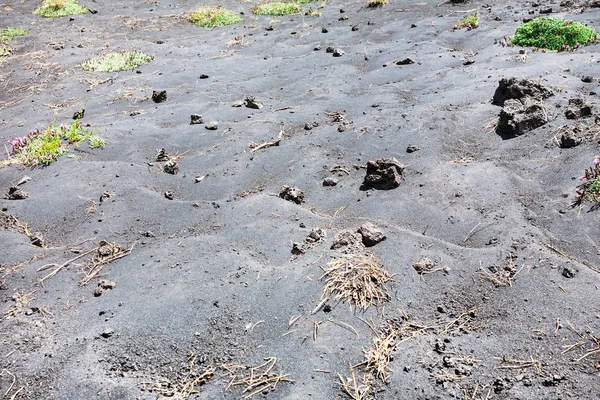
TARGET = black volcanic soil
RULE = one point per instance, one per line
(211, 274)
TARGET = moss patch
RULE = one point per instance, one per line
(214, 16)
(60, 8)
(114, 62)
(553, 34)
(276, 8)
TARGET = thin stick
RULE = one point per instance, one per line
(345, 325)
(59, 267)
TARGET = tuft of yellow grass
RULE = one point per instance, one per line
(359, 280)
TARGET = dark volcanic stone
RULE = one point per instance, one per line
(371, 235)
(16, 193)
(517, 118)
(405, 61)
(384, 174)
(159, 96)
(196, 119)
(292, 194)
(513, 88)
(578, 109)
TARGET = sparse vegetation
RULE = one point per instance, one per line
(589, 189)
(357, 279)
(60, 8)
(469, 22)
(8, 34)
(553, 34)
(311, 12)
(42, 147)
(276, 8)
(96, 142)
(377, 3)
(214, 16)
(114, 62)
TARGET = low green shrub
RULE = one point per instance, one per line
(214, 16)
(276, 8)
(42, 147)
(553, 34)
(59, 8)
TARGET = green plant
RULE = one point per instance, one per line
(8, 34)
(59, 8)
(469, 22)
(74, 133)
(277, 8)
(96, 142)
(214, 16)
(553, 34)
(113, 62)
(377, 3)
(303, 1)
(42, 147)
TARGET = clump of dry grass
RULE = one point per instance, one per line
(9, 221)
(500, 276)
(359, 280)
(355, 388)
(22, 302)
(187, 387)
(255, 379)
(106, 252)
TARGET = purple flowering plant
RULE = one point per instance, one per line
(589, 188)
(43, 146)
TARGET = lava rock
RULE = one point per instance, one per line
(517, 118)
(108, 332)
(169, 195)
(412, 148)
(330, 181)
(371, 235)
(338, 52)
(383, 174)
(196, 119)
(405, 61)
(569, 272)
(578, 109)
(292, 194)
(568, 140)
(159, 96)
(587, 79)
(251, 102)
(212, 126)
(162, 155)
(514, 88)
(171, 167)
(103, 286)
(16, 193)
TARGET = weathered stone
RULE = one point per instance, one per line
(514, 88)
(384, 174)
(292, 194)
(196, 119)
(517, 118)
(371, 235)
(159, 96)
